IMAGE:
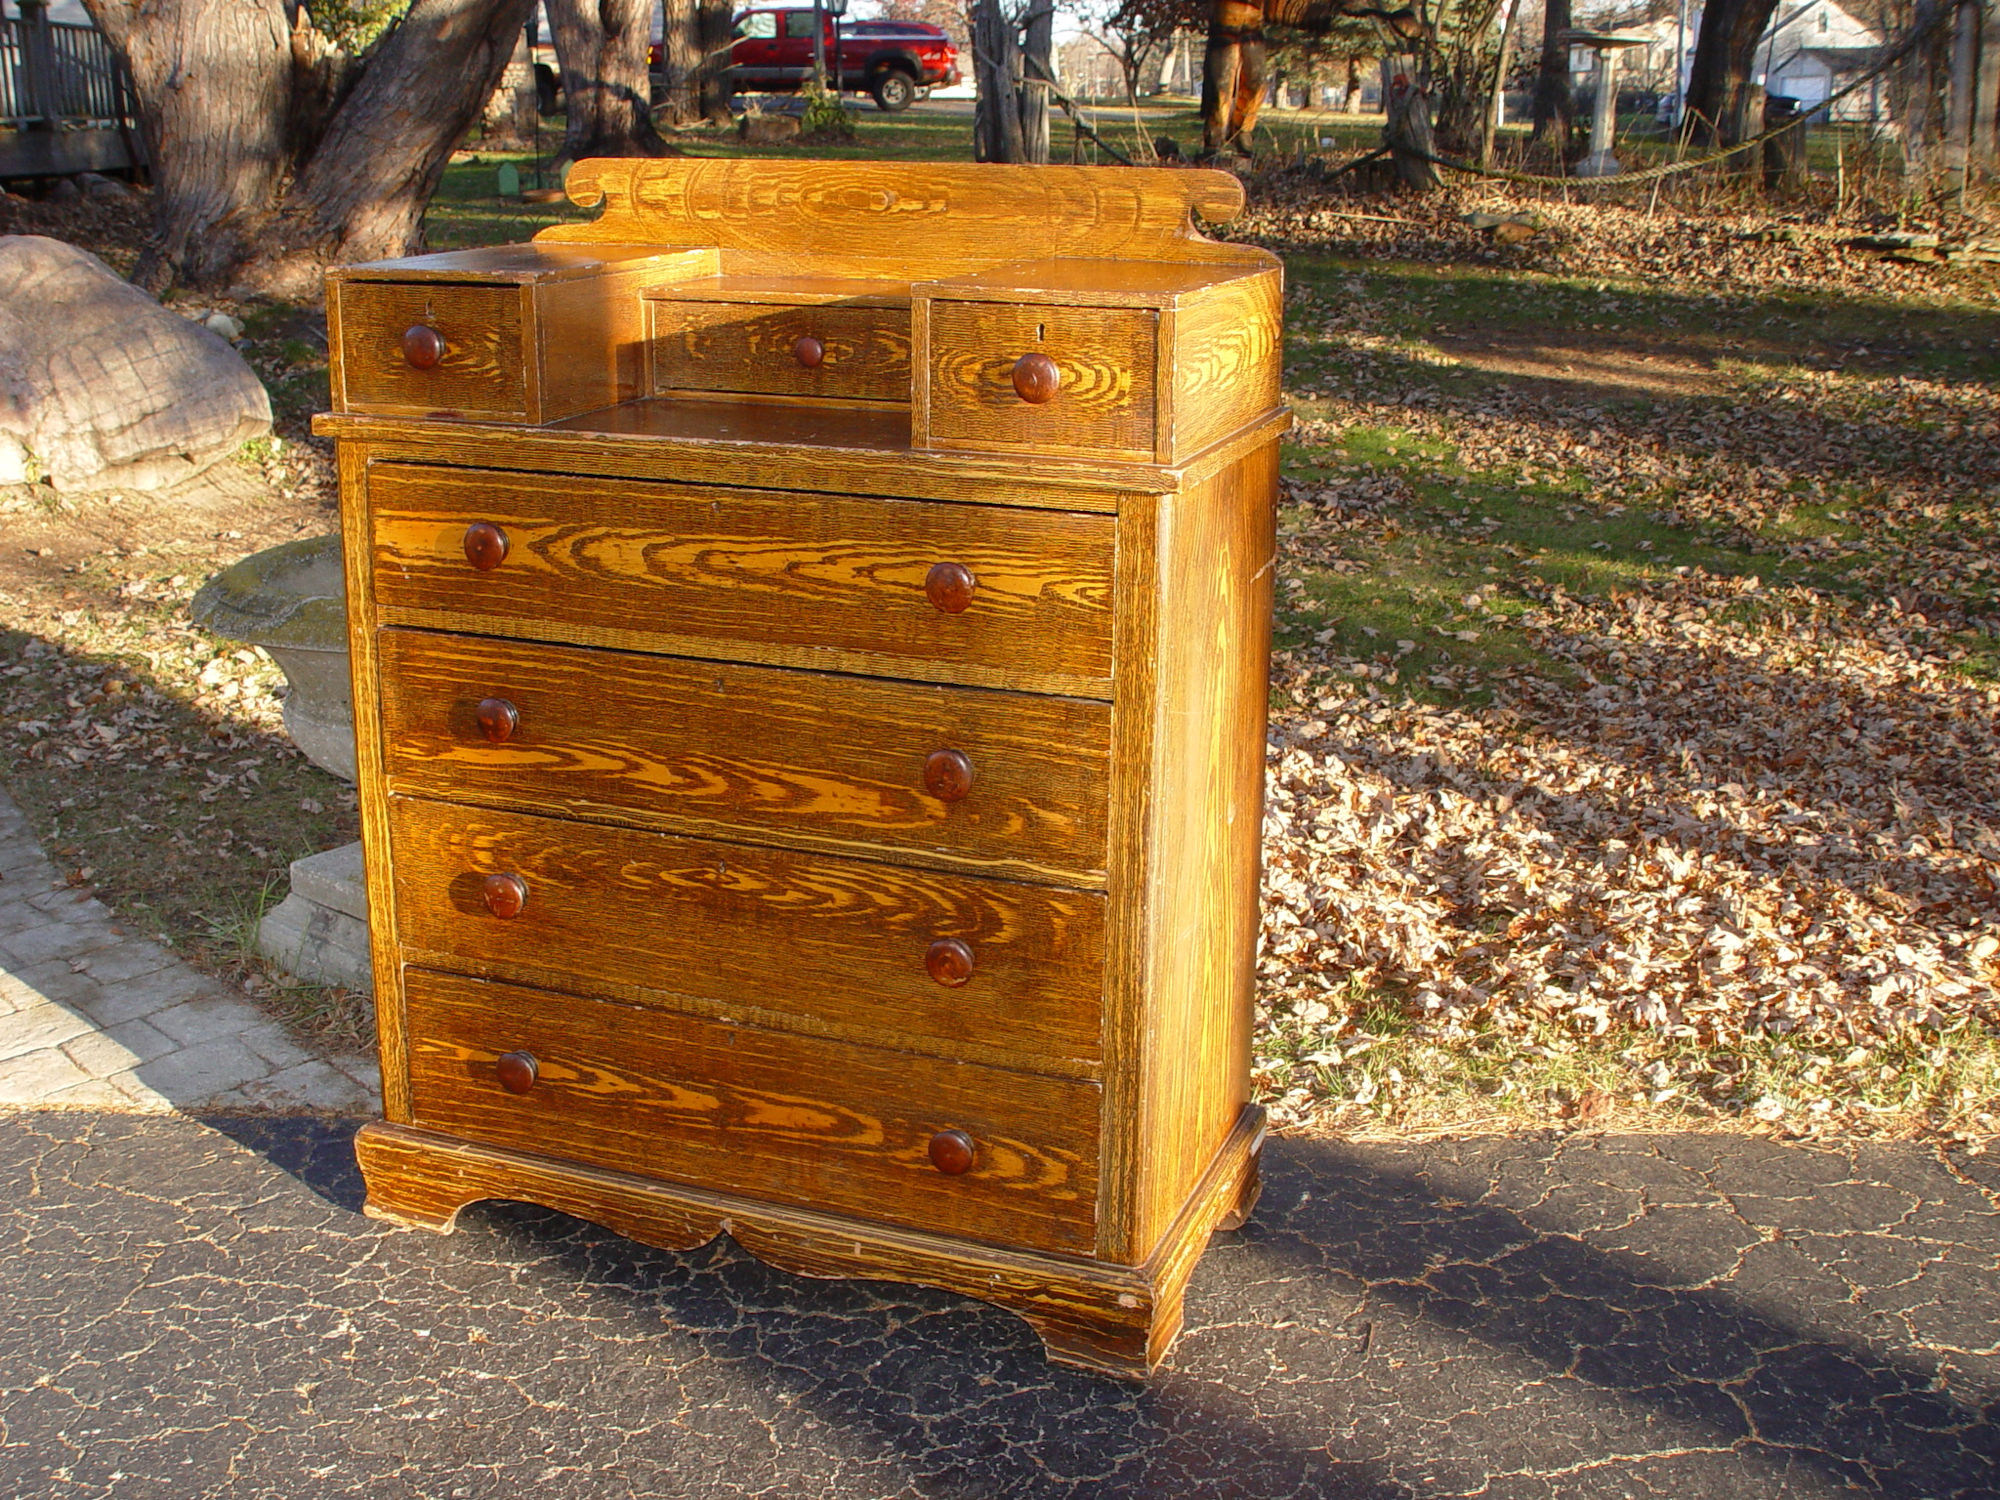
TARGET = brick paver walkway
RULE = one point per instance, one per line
(93, 1016)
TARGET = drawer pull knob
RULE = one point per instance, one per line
(423, 348)
(949, 586)
(952, 1152)
(516, 1071)
(498, 719)
(1036, 378)
(504, 895)
(948, 774)
(949, 961)
(485, 546)
(809, 352)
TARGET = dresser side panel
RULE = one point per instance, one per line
(390, 1021)
(1226, 361)
(1216, 557)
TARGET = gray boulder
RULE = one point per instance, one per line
(103, 388)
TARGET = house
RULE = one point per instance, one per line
(1815, 48)
(1811, 49)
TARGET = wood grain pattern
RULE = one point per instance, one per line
(543, 265)
(733, 751)
(385, 954)
(800, 290)
(807, 580)
(784, 1118)
(1096, 283)
(900, 221)
(748, 347)
(1183, 922)
(1105, 357)
(484, 369)
(1226, 358)
(1116, 1319)
(845, 943)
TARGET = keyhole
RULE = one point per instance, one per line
(1041, 332)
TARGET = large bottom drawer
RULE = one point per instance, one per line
(941, 963)
(792, 1119)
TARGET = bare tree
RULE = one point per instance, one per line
(1012, 57)
(275, 152)
(601, 48)
(697, 35)
(1554, 104)
(1719, 94)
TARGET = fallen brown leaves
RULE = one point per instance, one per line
(1739, 827)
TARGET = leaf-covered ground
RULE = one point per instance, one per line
(1634, 742)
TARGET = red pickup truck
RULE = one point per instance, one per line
(892, 60)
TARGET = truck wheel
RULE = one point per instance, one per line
(894, 91)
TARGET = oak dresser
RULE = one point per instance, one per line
(809, 630)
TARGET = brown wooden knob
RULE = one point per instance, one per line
(423, 347)
(952, 1152)
(1036, 378)
(949, 961)
(948, 774)
(516, 1071)
(498, 719)
(485, 546)
(809, 352)
(504, 895)
(949, 586)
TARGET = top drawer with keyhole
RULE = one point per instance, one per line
(1153, 361)
(1056, 379)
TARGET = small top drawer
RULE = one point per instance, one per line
(1055, 379)
(1152, 361)
(513, 333)
(756, 349)
(433, 349)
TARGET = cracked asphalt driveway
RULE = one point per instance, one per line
(197, 1308)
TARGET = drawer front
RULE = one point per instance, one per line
(785, 1118)
(857, 353)
(716, 749)
(1104, 393)
(843, 583)
(900, 957)
(483, 370)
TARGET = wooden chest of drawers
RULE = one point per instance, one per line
(809, 690)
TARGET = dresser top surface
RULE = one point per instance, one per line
(717, 436)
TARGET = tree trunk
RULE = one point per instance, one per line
(601, 48)
(1509, 31)
(1038, 49)
(274, 156)
(1407, 133)
(680, 44)
(996, 65)
(1553, 104)
(716, 31)
(1725, 49)
(1232, 79)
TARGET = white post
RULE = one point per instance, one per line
(1604, 123)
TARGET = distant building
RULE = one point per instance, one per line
(1811, 50)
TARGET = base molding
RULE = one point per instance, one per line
(1113, 1318)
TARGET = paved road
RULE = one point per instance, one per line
(196, 1308)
